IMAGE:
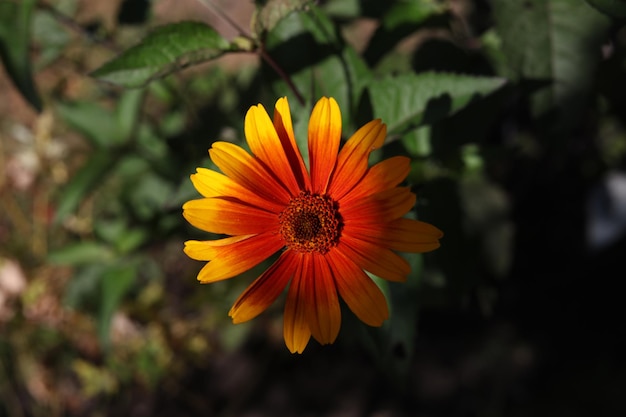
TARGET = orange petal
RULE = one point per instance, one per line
(244, 169)
(218, 215)
(264, 290)
(295, 327)
(238, 257)
(407, 235)
(380, 177)
(352, 161)
(266, 146)
(380, 207)
(322, 303)
(404, 235)
(359, 292)
(374, 258)
(207, 250)
(284, 128)
(211, 183)
(324, 138)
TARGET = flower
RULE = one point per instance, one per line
(330, 222)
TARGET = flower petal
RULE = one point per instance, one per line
(220, 215)
(284, 128)
(380, 177)
(379, 208)
(407, 235)
(243, 168)
(295, 327)
(322, 303)
(374, 258)
(404, 235)
(265, 289)
(238, 257)
(267, 147)
(324, 138)
(207, 250)
(359, 292)
(352, 161)
(211, 183)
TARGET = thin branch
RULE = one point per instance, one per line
(270, 61)
(77, 27)
(218, 11)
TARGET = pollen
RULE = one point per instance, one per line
(311, 223)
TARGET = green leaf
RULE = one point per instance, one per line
(83, 183)
(116, 282)
(557, 40)
(82, 253)
(270, 12)
(308, 47)
(164, 51)
(411, 100)
(97, 124)
(613, 8)
(15, 23)
(411, 12)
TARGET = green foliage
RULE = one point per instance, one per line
(557, 41)
(408, 101)
(15, 33)
(489, 104)
(162, 52)
(613, 8)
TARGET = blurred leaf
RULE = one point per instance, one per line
(411, 11)
(613, 8)
(270, 12)
(556, 40)
(95, 122)
(50, 37)
(117, 280)
(83, 183)
(414, 99)
(127, 112)
(81, 254)
(83, 289)
(15, 25)
(164, 51)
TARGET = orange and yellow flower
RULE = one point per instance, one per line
(330, 222)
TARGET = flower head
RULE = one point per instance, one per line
(330, 222)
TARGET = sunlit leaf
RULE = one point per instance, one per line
(411, 12)
(164, 51)
(15, 32)
(414, 99)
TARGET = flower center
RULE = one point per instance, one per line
(310, 223)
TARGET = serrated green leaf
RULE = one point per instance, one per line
(270, 12)
(82, 253)
(15, 25)
(415, 99)
(558, 41)
(613, 8)
(83, 183)
(164, 51)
